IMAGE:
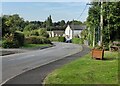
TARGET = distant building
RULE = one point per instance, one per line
(55, 33)
(74, 30)
(70, 31)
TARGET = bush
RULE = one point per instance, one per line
(53, 39)
(106, 46)
(61, 39)
(10, 44)
(43, 32)
(19, 37)
(13, 40)
(37, 40)
(77, 40)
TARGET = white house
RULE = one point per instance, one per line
(74, 30)
(68, 32)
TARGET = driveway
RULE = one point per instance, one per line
(13, 65)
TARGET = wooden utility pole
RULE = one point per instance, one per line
(101, 23)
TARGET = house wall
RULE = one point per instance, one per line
(77, 33)
(55, 33)
(68, 31)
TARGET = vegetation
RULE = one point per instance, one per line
(87, 71)
(78, 40)
(13, 40)
(57, 39)
(15, 31)
(10, 44)
(111, 24)
(37, 32)
(61, 39)
(35, 45)
(54, 39)
(37, 40)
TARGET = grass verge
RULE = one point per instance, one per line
(87, 71)
(35, 45)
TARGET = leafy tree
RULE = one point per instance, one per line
(75, 22)
(111, 24)
(62, 23)
(14, 21)
(84, 34)
(93, 22)
(43, 32)
(30, 27)
(10, 23)
(49, 22)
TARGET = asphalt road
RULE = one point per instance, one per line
(16, 64)
(35, 77)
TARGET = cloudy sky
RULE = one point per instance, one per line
(41, 10)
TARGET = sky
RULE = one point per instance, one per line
(39, 11)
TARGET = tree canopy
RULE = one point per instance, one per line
(111, 22)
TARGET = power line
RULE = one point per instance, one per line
(82, 12)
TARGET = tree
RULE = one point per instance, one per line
(49, 22)
(111, 24)
(0, 28)
(93, 22)
(5, 28)
(10, 23)
(14, 21)
(43, 32)
(62, 23)
(30, 27)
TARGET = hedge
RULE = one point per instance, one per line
(10, 44)
(61, 39)
(14, 40)
(37, 40)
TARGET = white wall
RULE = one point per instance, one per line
(68, 31)
(77, 32)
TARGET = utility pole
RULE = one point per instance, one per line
(101, 23)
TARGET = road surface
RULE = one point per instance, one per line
(16, 64)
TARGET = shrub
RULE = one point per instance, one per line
(10, 44)
(61, 39)
(13, 40)
(43, 32)
(106, 46)
(19, 37)
(37, 40)
(53, 38)
(77, 40)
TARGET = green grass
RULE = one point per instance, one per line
(87, 71)
(35, 45)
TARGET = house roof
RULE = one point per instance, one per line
(77, 27)
(59, 32)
